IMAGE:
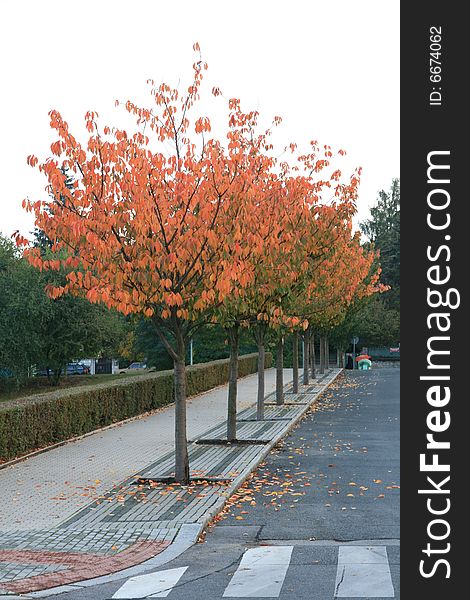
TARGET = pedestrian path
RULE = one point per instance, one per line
(361, 572)
(48, 539)
(48, 488)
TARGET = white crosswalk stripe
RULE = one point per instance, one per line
(152, 585)
(363, 572)
(261, 573)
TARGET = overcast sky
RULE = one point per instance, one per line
(329, 68)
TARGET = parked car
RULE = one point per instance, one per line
(44, 373)
(134, 367)
(77, 369)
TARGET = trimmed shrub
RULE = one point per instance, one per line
(36, 422)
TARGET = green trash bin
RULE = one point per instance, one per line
(364, 364)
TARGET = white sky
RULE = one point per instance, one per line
(329, 68)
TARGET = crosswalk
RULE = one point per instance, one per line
(362, 572)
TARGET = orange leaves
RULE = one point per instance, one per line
(172, 299)
(93, 295)
(160, 225)
(56, 148)
(90, 120)
(72, 277)
(208, 295)
(19, 239)
(202, 124)
(55, 292)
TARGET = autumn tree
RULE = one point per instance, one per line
(324, 230)
(174, 225)
(339, 270)
(140, 225)
(356, 277)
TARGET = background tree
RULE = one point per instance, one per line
(383, 231)
(210, 342)
(377, 323)
(39, 332)
(22, 310)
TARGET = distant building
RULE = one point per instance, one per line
(102, 366)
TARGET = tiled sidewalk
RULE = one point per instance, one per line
(129, 523)
(48, 488)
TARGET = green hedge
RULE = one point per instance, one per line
(32, 423)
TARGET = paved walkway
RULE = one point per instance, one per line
(50, 487)
(75, 512)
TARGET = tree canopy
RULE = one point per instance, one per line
(184, 228)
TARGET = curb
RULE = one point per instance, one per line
(189, 533)
(214, 510)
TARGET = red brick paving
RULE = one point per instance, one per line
(81, 566)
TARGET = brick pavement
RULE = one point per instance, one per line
(74, 566)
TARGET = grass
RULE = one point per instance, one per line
(40, 385)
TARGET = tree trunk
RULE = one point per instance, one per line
(280, 371)
(305, 379)
(178, 354)
(233, 333)
(181, 443)
(56, 377)
(322, 355)
(295, 364)
(261, 360)
(338, 358)
(312, 355)
(327, 354)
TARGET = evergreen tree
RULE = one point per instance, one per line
(383, 231)
(376, 320)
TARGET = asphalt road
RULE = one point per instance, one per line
(319, 519)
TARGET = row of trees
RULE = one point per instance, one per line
(374, 319)
(176, 225)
